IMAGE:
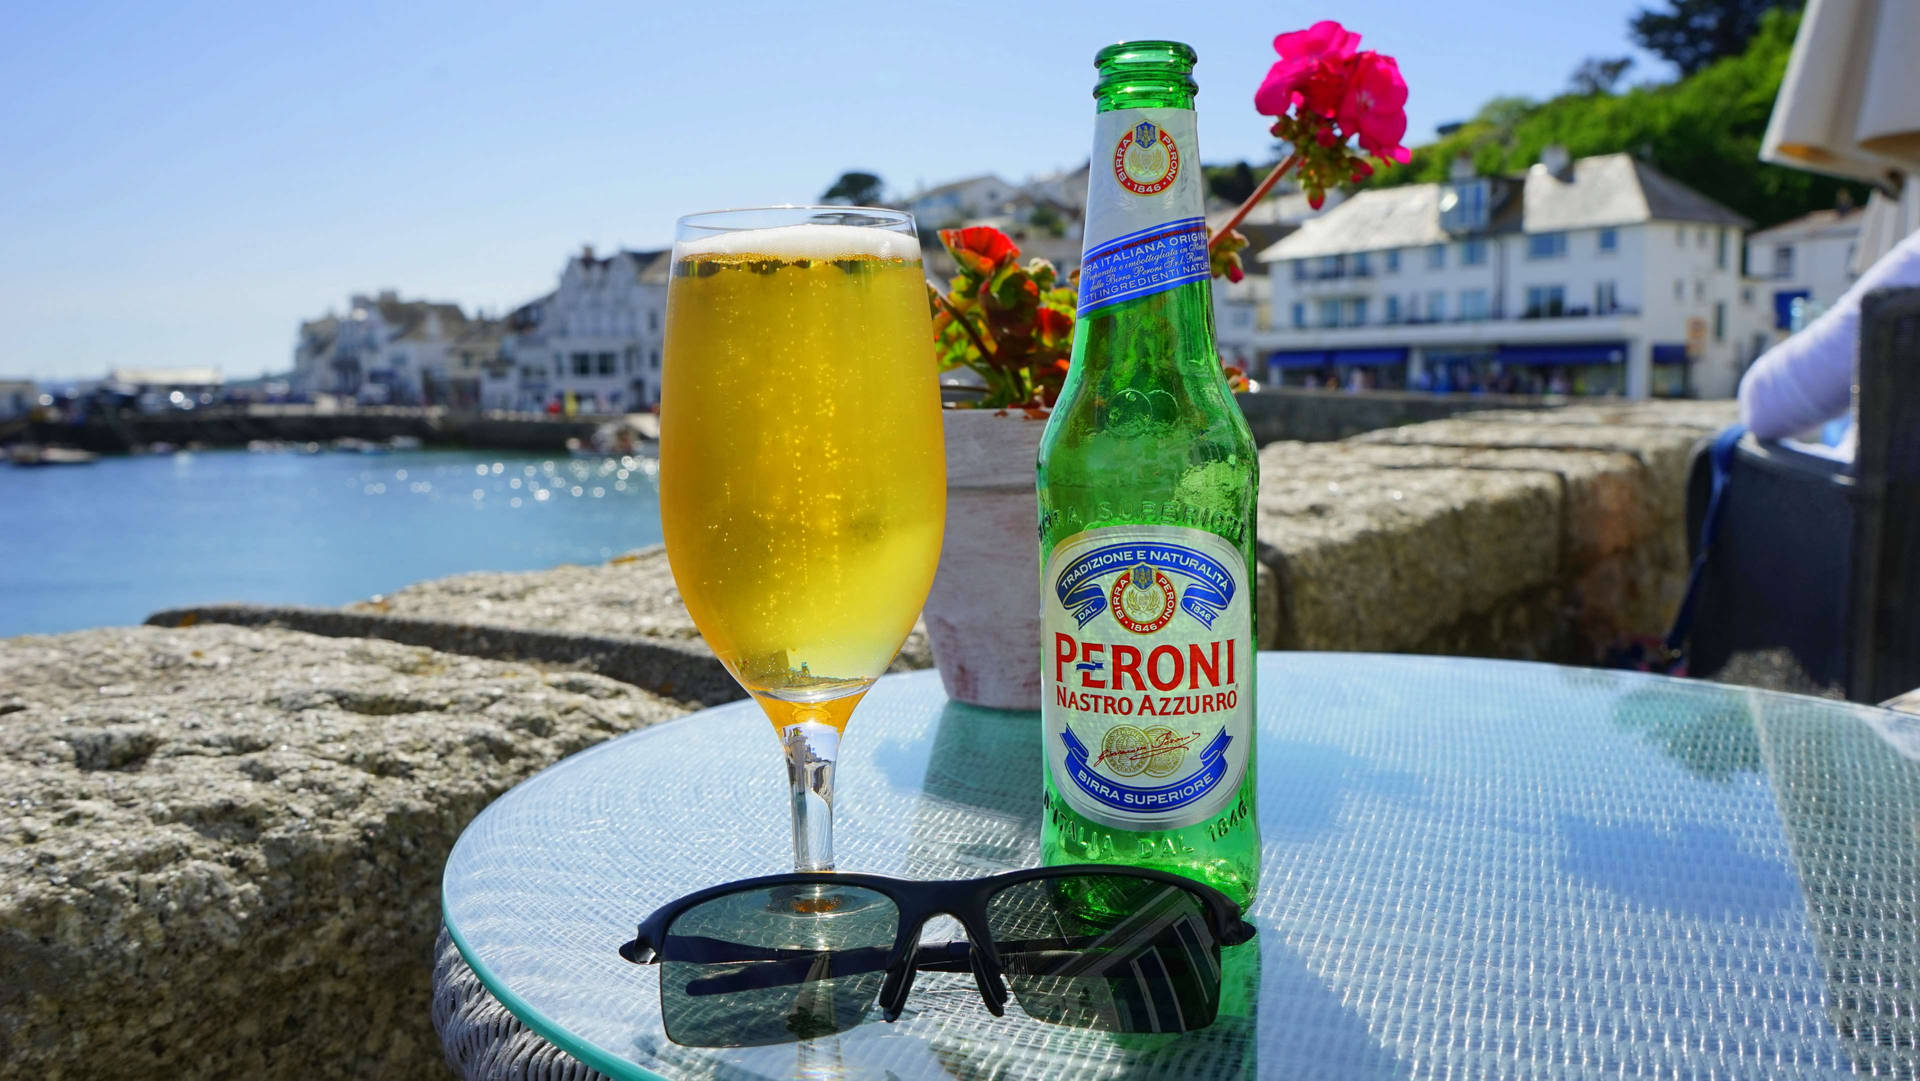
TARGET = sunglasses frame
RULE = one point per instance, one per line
(964, 899)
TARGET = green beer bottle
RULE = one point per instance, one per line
(1147, 478)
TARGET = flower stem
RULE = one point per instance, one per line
(1259, 193)
(964, 325)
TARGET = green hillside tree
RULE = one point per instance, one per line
(1695, 33)
(854, 189)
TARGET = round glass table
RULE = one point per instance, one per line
(1478, 869)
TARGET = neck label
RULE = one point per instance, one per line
(1144, 232)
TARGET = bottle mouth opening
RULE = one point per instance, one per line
(1174, 57)
(1151, 67)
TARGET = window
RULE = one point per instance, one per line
(558, 365)
(1299, 270)
(1679, 289)
(1463, 207)
(1609, 240)
(1299, 312)
(1700, 237)
(1719, 320)
(1679, 236)
(1473, 304)
(1329, 313)
(1437, 304)
(1720, 250)
(653, 359)
(1393, 309)
(653, 321)
(1746, 296)
(1605, 298)
(1699, 289)
(583, 364)
(1546, 301)
(606, 364)
(1360, 266)
(1357, 312)
(1783, 261)
(1436, 256)
(1331, 266)
(1393, 261)
(1546, 245)
(626, 360)
(1473, 253)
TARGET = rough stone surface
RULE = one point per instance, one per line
(631, 596)
(1550, 534)
(1372, 558)
(220, 847)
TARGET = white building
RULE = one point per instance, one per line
(1597, 276)
(960, 201)
(17, 398)
(383, 349)
(596, 338)
(1243, 316)
(1809, 259)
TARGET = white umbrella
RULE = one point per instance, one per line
(1849, 106)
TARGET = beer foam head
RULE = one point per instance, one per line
(808, 242)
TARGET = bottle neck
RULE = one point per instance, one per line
(1145, 229)
(1144, 75)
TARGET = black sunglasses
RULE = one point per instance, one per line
(793, 956)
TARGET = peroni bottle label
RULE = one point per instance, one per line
(1137, 242)
(1147, 700)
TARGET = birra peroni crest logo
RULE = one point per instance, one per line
(1145, 684)
(1146, 161)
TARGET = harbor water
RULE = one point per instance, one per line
(111, 542)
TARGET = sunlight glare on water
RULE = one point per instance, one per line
(108, 544)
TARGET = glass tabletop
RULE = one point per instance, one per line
(1479, 869)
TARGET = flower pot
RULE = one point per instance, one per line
(983, 613)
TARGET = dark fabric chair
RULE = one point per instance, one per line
(1814, 578)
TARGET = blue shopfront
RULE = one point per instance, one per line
(1350, 369)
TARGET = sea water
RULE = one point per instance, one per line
(109, 543)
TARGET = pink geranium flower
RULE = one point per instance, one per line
(1311, 69)
(1375, 106)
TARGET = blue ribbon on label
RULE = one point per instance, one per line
(1137, 800)
(1209, 590)
(1143, 262)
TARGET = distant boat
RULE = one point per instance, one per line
(28, 454)
(404, 442)
(347, 444)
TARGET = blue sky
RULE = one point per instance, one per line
(182, 183)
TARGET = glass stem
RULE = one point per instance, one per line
(811, 748)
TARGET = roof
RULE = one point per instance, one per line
(167, 377)
(1830, 223)
(654, 266)
(1601, 191)
(956, 185)
(412, 317)
(1615, 189)
(1378, 218)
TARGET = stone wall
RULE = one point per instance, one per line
(1319, 416)
(220, 849)
(233, 426)
(221, 845)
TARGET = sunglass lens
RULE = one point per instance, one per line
(774, 965)
(1111, 952)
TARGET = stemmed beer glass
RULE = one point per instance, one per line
(802, 475)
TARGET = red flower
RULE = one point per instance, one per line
(1375, 106)
(1312, 70)
(981, 249)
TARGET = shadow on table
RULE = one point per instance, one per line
(1849, 793)
(1707, 731)
(979, 805)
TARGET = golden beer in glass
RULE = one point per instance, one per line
(802, 477)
